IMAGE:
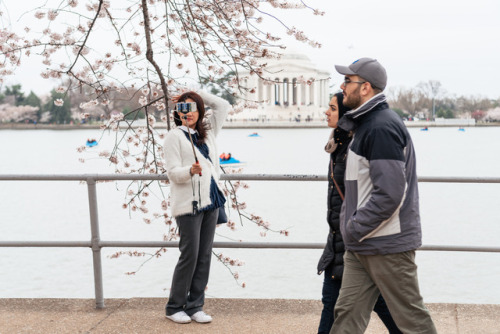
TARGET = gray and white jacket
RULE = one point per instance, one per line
(380, 213)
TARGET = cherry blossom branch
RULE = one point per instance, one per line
(157, 254)
(149, 55)
(86, 35)
(228, 263)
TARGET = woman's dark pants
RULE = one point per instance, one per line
(193, 268)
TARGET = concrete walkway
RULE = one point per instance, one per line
(269, 316)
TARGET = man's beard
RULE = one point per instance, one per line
(353, 101)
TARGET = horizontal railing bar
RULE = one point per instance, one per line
(162, 177)
(218, 244)
(81, 177)
(274, 177)
(45, 244)
(449, 248)
(159, 244)
(456, 179)
(243, 177)
(225, 244)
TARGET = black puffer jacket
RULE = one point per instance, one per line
(333, 254)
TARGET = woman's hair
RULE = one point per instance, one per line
(201, 127)
(340, 101)
(340, 135)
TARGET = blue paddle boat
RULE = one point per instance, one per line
(227, 159)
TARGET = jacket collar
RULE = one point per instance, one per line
(349, 121)
(186, 129)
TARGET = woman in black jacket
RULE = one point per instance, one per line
(332, 260)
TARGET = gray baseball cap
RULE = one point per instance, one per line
(367, 68)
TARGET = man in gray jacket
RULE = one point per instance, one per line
(380, 220)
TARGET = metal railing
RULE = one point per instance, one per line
(96, 243)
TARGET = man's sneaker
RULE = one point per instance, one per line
(201, 317)
(180, 317)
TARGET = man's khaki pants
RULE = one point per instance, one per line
(392, 275)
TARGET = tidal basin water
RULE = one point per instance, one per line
(452, 214)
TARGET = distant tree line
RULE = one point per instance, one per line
(429, 100)
(63, 105)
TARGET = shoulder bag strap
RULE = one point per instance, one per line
(333, 179)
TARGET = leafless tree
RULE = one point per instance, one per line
(431, 90)
(473, 103)
(410, 100)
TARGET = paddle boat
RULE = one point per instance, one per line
(91, 142)
(461, 129)
(227, 159)
(424, 129)
(255, 134)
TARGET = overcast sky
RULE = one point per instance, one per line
(453, 41)
(456, 42)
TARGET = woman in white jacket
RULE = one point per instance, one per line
(195, 199)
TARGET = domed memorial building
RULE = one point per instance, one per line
(293, 90)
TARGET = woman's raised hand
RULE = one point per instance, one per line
(175, 98)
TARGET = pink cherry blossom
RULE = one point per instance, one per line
(52, 14)
(39, 15)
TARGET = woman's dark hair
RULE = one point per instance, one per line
(340, 135)
(340, 101)
(201, 127)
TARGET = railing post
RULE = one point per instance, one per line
(96, 248)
